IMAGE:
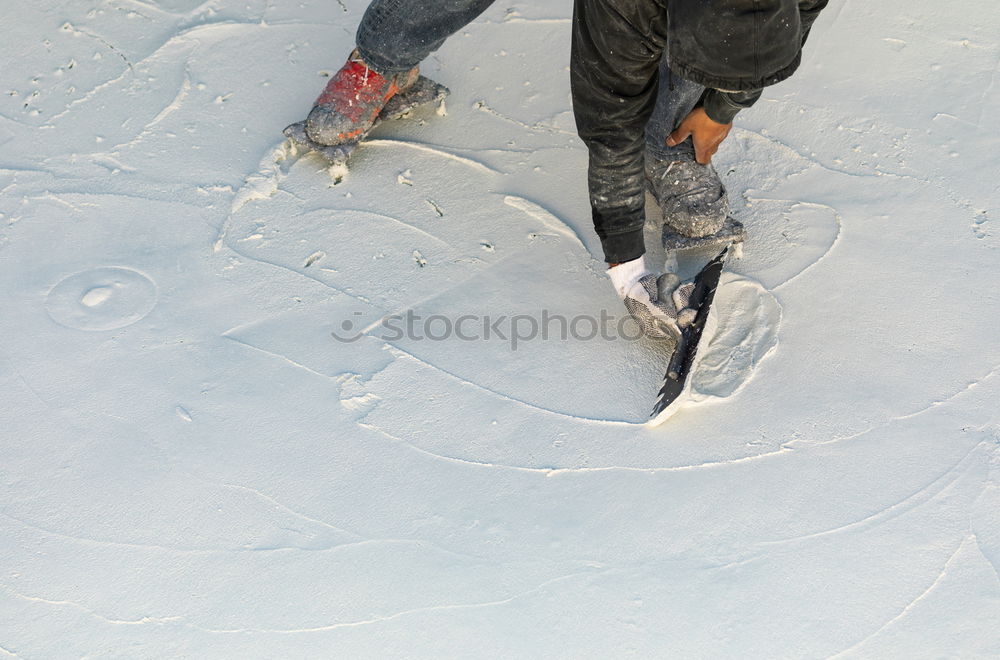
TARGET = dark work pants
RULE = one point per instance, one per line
(616, 56)
(617, 52)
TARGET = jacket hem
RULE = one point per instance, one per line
(733, 84)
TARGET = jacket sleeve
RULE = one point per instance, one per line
(722, 106)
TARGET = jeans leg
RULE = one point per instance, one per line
(396, 35)
(672, 106)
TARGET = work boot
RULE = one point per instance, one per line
(692, 198)
(352, 100)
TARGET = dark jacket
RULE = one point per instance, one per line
(732, 47)
(738, 45)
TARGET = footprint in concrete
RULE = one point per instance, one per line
(101, 299)
(785, 239)
(747, 317)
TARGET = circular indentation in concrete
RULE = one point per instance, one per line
(101, 299)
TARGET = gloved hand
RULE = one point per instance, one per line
(658, 304)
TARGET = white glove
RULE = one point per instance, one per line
(658, 304)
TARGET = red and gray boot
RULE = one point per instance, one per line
(352, 100)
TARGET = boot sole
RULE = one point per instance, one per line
(732, 232)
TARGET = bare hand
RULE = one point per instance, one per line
(705, 133)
